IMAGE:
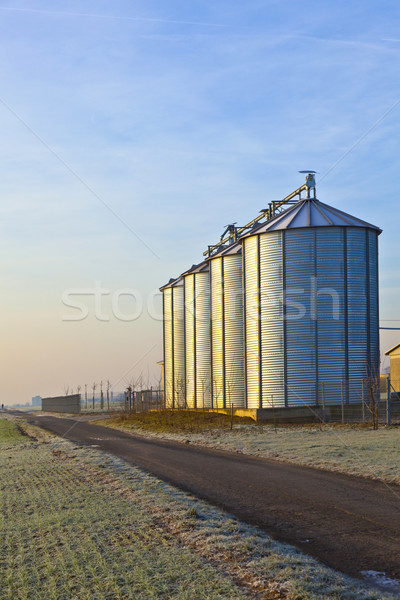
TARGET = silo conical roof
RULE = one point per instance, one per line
(203, 266)
(173, 282)
(226, 250)
(310, 212)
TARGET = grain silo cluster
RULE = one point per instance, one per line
(282, 312)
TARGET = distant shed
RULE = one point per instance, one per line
(394, 355)
(64, 404)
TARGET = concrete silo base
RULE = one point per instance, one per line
(275, 415)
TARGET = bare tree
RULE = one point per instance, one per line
(101, 396)
(66, 390)
(128, 396)
(78, 391)
(217, 393)
(94, 386)
(372, 386)
(180, 393)
(160, 394)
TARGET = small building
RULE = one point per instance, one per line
(394, 355)
(63, 404)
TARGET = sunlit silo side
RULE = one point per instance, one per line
(168, 384)
(174, 343)
(310, 306)
(178, 315)
(227, 354)
(197, 336)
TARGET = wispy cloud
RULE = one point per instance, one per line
(109, 16)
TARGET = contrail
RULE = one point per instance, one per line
(115, 17)
(385, 114)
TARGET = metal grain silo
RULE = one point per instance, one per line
(227, 364)
(174, 343)
(197, 336)
(310, 306)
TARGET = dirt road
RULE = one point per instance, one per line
(348, 523)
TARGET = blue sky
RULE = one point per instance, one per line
(133, 132)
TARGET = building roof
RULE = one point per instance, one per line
(200, 268)
(392, 350)
(226, 250)
(310, 212)
(173, 282)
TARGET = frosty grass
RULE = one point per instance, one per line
(76, 523)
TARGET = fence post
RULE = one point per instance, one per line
(362, 401)
(323, 402)
(342, 399)
(388, 401)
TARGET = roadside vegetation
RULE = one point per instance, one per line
(10, 434)
(352, 449)
(179, 421)
(76, 523)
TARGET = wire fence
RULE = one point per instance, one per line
(128, 401)
(373, 401)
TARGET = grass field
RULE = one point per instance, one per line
(352, 449)
(10, 435)
(78, 524)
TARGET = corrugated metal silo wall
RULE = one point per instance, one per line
(270, 250)
(300, 329)
(323, 337)
(217, 332)
(233, 323)
(198, 340)
(168, 345)
(227, 331)
(331, 312)
(179, 346)
(373, 300)
(251, 319)
(190, 347)
(203, 339)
